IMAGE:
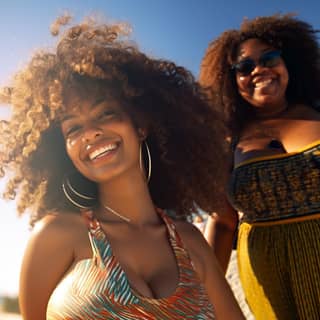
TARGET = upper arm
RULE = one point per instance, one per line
(47, 257)
(211, 275)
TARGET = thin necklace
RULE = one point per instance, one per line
(126, 219)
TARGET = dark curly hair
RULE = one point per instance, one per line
(297, 41)
(184, 133)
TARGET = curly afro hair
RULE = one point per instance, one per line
(184, 133)
(297, 41)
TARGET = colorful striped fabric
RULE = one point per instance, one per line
(98, 288)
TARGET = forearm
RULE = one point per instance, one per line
(220, 234)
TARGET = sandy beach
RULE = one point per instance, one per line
(9, 316)
(234, 281)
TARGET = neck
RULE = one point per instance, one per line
(129, 198)
(271, 112)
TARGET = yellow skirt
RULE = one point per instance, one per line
(279, 266)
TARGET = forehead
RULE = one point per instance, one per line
(252, 47)
(84, 96)
(76, 93)
(84, 106)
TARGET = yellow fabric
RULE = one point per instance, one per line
(279, 269)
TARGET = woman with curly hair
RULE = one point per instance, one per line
(101, 137)
(265, 78)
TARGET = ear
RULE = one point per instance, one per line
(142, 133)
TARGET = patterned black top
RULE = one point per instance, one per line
(278, 187)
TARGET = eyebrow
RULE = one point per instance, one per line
(262, 52)
(93, 106)
(67, 117)
(98, 102)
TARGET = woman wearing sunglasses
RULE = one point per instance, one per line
(265, 78)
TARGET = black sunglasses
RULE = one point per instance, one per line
(246, 66)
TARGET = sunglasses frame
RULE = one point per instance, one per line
(264, 59)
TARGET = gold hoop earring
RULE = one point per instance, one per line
(73, 201)
(76, 192)
(149, 159)
(76, 197)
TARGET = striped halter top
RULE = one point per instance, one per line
(98, 288)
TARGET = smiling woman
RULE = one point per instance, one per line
(265, 83)
(103, 144)
(265, 78)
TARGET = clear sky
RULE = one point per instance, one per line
(179, 30)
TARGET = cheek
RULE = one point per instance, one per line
(285, 77)
(71, 146)
(242, 85)
(134, 143)
(283, 73)
(70, 143)
(72, 149)
(241, 81)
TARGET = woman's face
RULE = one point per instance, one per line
(266, 84)
(101, 139)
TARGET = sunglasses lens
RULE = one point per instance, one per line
(245, 67)
(270, 59)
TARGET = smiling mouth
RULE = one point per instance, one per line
(102, 151)
(263, 83)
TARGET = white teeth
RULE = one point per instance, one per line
(262, 83)
(100, 151)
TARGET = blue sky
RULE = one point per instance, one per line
(176, 29)
(179, 30)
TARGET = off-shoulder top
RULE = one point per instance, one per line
(278, 186)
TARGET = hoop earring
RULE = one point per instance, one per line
(74, 202)
(76, 197)
(76, 192)
(149, 159)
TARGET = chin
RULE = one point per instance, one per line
(265, 103)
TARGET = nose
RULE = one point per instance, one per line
(91, 133)
(258, 68)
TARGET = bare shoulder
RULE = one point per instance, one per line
(66, 224)
(56, 234)
(49, 254)
(302, 111)
(64, 228)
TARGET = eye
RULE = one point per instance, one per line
(244, 67)
(271, 58)
(72, 130)
(105, 114)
